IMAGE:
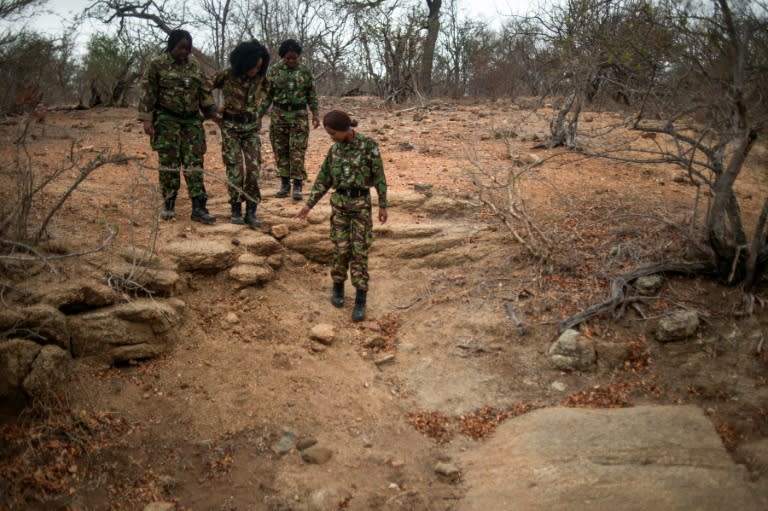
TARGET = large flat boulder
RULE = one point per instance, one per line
(647, 457)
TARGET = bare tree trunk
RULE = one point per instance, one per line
(564, 126)
(433, 30)
(724, 227)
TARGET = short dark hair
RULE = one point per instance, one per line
(176, 36)
(246, 55)
(338, 121)
(287, 46)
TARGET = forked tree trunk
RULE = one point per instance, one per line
(725, 230)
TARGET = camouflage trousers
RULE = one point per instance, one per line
(241, 152)
(352, 235)
(180, 145)
(289, 136)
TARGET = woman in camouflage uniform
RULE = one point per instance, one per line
(290, 90)
(242, 87)
(175, 96)
(352, 166)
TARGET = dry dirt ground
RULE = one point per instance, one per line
(201, 426)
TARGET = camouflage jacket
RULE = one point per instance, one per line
(351, 165)
(179, 89)
(290, 87)
(242, 95)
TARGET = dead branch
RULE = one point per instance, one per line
(617, 298)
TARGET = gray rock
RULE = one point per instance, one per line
(323, 333)
(314, 244)
(677, 326)
(161, 281)
(573, 352)
(280, 231)
(142, 321)
(305, 443)
(250, 274)
(16, 357)
(203, 255)
(316, 454)
(160, 506)
(259, 243)
(84, 293)
(649, 285)
(250, 258)
(650, 457)
(275, 261)
(326, 499)
(611, 354)
(446, 469)
(285, 444)
(47, 372)
(43, 320)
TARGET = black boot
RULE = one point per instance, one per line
(297, 189)
(337, 298)
(250, 215)
(285, 187)
(168, 209)
(358, 313)
(237, 214)
(200, 212)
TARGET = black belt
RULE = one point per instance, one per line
(290, 108)
(190, 115)
(354, 192)
(242, 119)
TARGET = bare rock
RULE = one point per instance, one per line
(76, 294)
(280, 231)
(250, 258)
(439, 205)
(259, 243)
(446, 469)
(160, 506)
(327, 499)
(16, 357)
(140, 322)
(316, 454)
(43, 321)
(568, 459)
(677, 326)
(649, 285)
(313, 244)
(611, 354)
(573, 352)
(47, 372)
(250, 274)
(203, 255)
(323, 333)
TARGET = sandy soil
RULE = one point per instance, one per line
(202, 426)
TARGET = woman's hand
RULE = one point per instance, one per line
(149, 128)
(383, 215)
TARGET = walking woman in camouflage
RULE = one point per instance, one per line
(242, 86)
(353, 165)
(290, 91)
(175, 96)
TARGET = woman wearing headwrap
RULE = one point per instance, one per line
(175, 97)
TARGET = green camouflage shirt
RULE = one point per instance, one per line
(242, 95)
(290, 87)
(180, 89)
(351, 165)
